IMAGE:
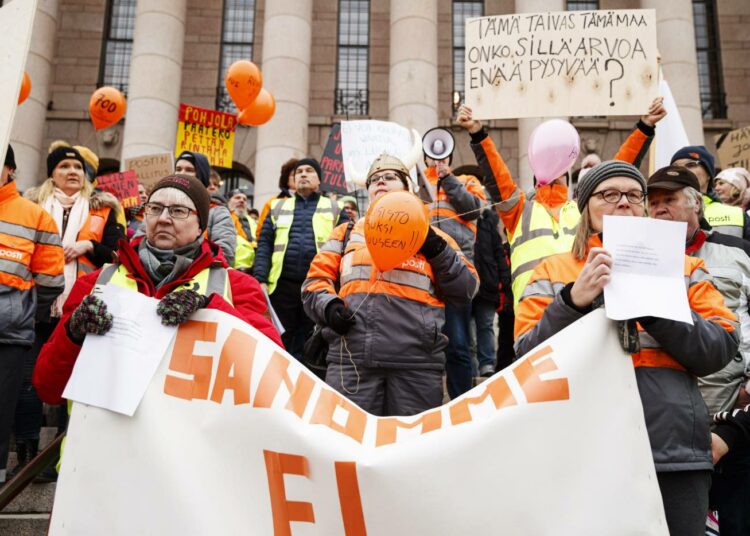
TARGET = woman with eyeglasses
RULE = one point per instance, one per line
(384, 330)
(667, 354)
(173, 262)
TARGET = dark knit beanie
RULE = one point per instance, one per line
(699, 153)
(10, 158)
(193, 188)
(310, 162)
(200, 162)
(600, 173)
(60, 154)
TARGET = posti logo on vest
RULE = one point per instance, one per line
(413, 263)
(11, 254)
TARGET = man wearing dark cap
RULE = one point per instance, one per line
(292, 232)
(674, 195)
(31, 278)
(220, 225)
(723, 218)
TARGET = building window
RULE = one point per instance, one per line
(462, 10)
(237, 34)
(713, 102)
(351, 96)
(117, 46)
(578, 5)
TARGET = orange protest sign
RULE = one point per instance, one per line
(206, 131)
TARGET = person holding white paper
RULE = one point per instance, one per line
(173, 263)
(667, 354)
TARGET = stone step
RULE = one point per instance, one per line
(24, 524)
(35, 499)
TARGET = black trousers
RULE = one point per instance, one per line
(287, 302)
(11, 376)
(730, 492)
(685, 498)
(28, 421)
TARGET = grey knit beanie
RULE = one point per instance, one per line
(600, 173)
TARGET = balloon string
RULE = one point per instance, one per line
(343, 345)
(466, 213)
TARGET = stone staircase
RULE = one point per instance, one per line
(29, 513)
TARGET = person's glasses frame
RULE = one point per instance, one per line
(176, 212)
(388, 177)
(613, 197)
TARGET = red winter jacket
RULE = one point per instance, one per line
(57, 357)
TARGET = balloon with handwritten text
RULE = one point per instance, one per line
(553, 148)
(25, 88)
(106, 107)
(244, 82)
(396, 226)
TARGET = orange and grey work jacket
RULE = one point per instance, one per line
(671, 354)
(545, 226)
(399, 313)
(31, 266)
(453, 196)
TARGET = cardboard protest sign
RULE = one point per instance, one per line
(332, 165)
(16, 24)
(562, 63)
(734, 148)
(151, 168)
(206, 131)
(296, 457)
(124, 186)
(363, 141)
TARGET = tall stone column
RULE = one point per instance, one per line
(27, 135)
(527, 125)
(287, 40)
(155, 77)
(676, 41)
(413, 80)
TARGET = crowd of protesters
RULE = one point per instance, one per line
(500, 271)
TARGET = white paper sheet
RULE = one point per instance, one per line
(114, 370)
(648, 269)
(274, 317)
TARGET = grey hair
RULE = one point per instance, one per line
(694, 198)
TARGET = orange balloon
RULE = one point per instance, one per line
(25, 88)
(243, 81)
(396, 226)
(106, 107)
(259, 111)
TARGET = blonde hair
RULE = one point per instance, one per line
(583, 232)
(47, 189)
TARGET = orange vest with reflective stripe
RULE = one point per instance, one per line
(93, 229)
(442, 207)
(556, 271)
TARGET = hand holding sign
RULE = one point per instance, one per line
(106, 107)
(396, 226)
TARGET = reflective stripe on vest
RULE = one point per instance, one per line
(537, 237)
(282, 214)
(208, 281)
(726, 218)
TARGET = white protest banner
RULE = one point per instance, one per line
(363, 141)
(151, 168)
(16, 24)
(561, 63)
(234, 436)
(671, 135)
(733, 148)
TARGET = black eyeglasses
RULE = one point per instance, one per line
(613, 196)
(176, 212)
(388, 177)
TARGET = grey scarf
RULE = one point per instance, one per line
(164, 265)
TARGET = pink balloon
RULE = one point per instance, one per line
(553, 147)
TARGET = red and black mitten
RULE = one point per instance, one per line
(176, 307)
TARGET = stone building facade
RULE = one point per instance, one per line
(176, 49)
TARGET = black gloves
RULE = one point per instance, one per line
(433, 245)
(91, 316)
(339, 318)
(176, 307)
